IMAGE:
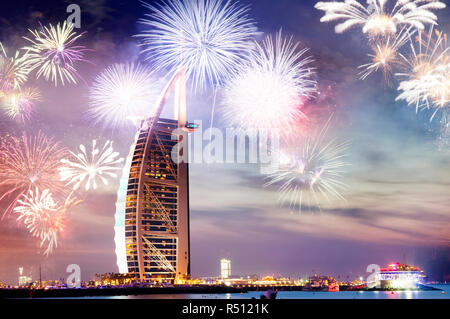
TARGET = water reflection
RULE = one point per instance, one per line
(429, 294)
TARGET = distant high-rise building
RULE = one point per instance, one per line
(24, 280)
(225, 268)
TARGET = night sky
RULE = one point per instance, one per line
(397, 204)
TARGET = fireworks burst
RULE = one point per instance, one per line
(43, 216)
(53, 53)
(426, 81)
(376, 20)
(13, 70)
(210, 38)
(386, 55)
(29, 162)
(20, 104)
(90, 166)
(120, 92)
(311, 170)
(269, 91)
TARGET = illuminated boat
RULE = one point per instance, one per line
(400, 276)
(333, 286)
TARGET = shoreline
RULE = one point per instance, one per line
(9, 293)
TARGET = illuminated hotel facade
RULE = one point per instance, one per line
(157, 207)
(152, 208)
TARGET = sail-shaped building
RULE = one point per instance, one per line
(152, 209)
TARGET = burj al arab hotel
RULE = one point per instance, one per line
(152, 209)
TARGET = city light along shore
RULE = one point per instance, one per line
(395, 277)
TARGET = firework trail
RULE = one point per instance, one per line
(210, 38)
(53, 53)
(89, 166)
(310, 170)
(20, 104)
(376, 19)
(270, 90)
(426, 79)
(120, 92)
(444, 137)
(13, 70)
(43, 216)
(386, 55)
(29, 162)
